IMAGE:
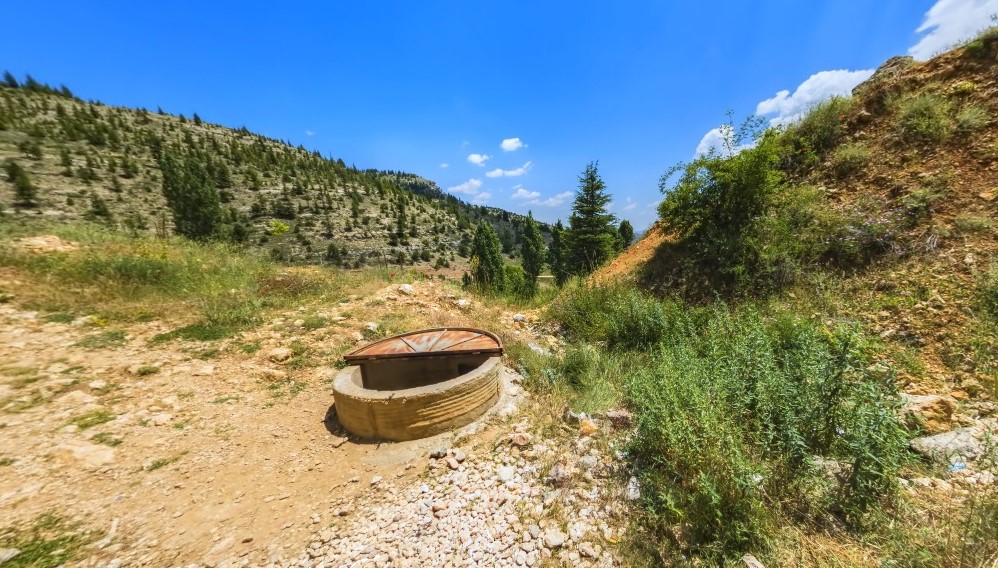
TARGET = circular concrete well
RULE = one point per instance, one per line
(418, 384)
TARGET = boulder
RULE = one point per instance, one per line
(279, 354)
(962, 444)
(933, 413)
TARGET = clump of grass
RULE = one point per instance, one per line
(849, 158)
(971, 118)
(92, 418)
(738, 412)
(250, 347)
(973, 224)
(924, 118)
(6, 461)
(315, 322)
(989, 291)
(104, 340)
(162, 462)
(202, 331)
(146, 370)
(60, 317)
(51, 541)
(107, 439)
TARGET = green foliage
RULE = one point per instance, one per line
(626, 232)
(973, 224)
(558, 254)
(591, 237)
(515, 283)
(104, 340)
(714, 203)
(809, 140)
(533, 252)
(486, 259)
(971, 119)
(91, 419)
(989, 291)
(48, 543)
(739, 414)
(924, 118)
(190, 194)
(277, 228)
(849, 158)
(25, 192)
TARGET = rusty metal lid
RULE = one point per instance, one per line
(436, 342)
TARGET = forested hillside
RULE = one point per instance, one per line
(145, 171)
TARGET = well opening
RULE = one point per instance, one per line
(419, 383)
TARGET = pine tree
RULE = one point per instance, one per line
(592, 236)
(626, 232)
(532, 250)
(486, 258)
(558, 254)
(191, 195)
(9, 80)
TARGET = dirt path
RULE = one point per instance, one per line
(186, 452)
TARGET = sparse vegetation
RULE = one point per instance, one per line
(92, 418)
(51, 541)
(924, 118)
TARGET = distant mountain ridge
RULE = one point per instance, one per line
(86, 160)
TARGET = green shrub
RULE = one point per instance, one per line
(849, 158)
(972, 224)
(971, 118)
(989, 291)
(738, 411)
(809, 139)
(925, 118)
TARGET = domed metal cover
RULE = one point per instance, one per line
(435, 342)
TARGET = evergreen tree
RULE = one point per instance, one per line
(25, 193)
(626, 233)
(486, 258)
(9, 80)
(558, 254)
(191, 195)
(532, 250)
(592, 236)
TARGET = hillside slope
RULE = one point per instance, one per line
(91, 161)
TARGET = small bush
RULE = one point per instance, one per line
(989, 291)
(732, 419)
(808, 140)
(925, 118)
(849, 158)
(971, 118)
(105, 340)
(971, 224)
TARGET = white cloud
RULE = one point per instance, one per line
(309, 133)
(499, 172)
(469, 187)
(482, 197)
(478, 159)
(445, 165)
(553, 201)
(522, 193)
(717, 139)
(949, 22)
(512, 144)
(816, 88)
(629, 205)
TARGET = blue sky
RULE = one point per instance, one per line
(435, 88)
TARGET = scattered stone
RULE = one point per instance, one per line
(574, 417)
(459, 456)
(371, 326)
(586, 550)
(538, 349)
(97, 385)
(407, 289)
(751, 561)
(588, 427)
(8, 554)
(338, 441)
(932, 412)
(633, 489)
(160, 419)
(559, 475)
(438, 453)
(961, 444)
(357, 336)
(375, 480)
(463, 304)
(506, 473)
(203, 371)
(279, 354)
(553, 538)
(452, 463)
(519, 318)
(520, 439)
(620, 418)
